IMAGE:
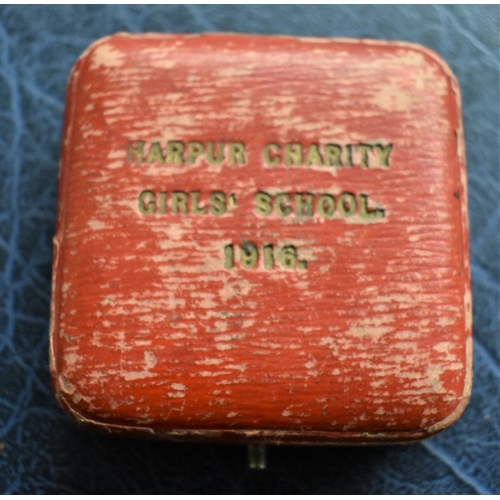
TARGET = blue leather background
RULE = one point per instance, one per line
(42, 451)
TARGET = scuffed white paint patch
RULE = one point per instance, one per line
(106, 55)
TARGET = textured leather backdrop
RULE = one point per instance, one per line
(42, 451)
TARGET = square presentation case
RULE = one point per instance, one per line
(262, 239)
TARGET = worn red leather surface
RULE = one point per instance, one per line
(346, 157)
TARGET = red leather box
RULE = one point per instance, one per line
(262, 239)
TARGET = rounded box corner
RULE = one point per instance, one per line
(71, 400)
(444, 67)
